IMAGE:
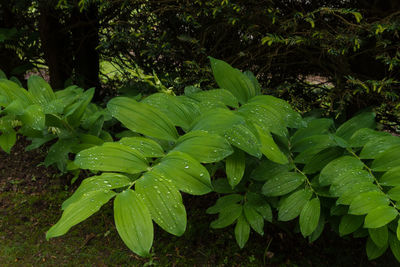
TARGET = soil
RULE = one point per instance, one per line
(30, 199)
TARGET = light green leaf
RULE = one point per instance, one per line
(227, 216)
(142, 118)
(12, 91)
(145, 146)
(203, 146)
(350, 223)
(187, 174)
(111, 157)
(391, 177)
(242, 137)
(394, 193)
(242, 231)
(224, 202)
(387, 160)
(398, 230)
(380, 216)
(217, 95)
(366, 202)
(282, 184)
(379, 145)
(79, 211)
(309, 217)
(232, 80)
(105, 181)
(379, 235)
(254, 218)
(347, 197)
(291, 206)
(133, 222)
(74, 113)
(363, 120)
(7, 140)
(40, 90)
(394, 246)
(362, 136)
(373, 251)
(164, 203)
(337, 167)
(321, 159)
(269, 148)
(235, 165)
(33, 117)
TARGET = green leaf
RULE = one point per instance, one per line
(232, 80)
(377, 146)
(217, 95)
(363, 120)
(2, 75)
(7, 140)
(350, 223)
(315, 127)
(391, 177)
(282, 184)
(321, 159)
(142, 118)
(315, 141)
(291, 118)
(394, 246)
(379, 235)
(145, 146)
(253, 79)
(164, 203)
(187, 174)
(79, 211)
(398, 230)
(394, 193)
(16, 107)
(354, 190)
(227, 216)
(318, 231)
(380, 216)
(292, 205)
(58, 153)
(235, 165)
(105, 181)
(40, 90)
(362, 136)
(133, 222)
(373, 251)
(366, 202)
(269, 148)
(34, 117)
(387, 160)
(242, 137)
(338, 166)
(111, 157)
(75, 112)
(254, 218)
(203, 146)
(12, 91)
(224, 202)
(309, 217)
(217, 121)
(242, 231)
(267, 170)
(346, 180)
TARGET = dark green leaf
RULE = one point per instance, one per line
(227, 216)
(363, 120)
(217, 95)
(224, 202)
(367, 201)
(338, 166)
(292, 205)
(309, 217)
(254, 218)
(373, 251)
(282, 184)
(235, 165)
(377, 146)
(267, 170)
(387, 160)
(350, 223)
(379, 235)
(362, 136)
(315, 127)
(321, 159)
(380, 216)
(395, 246)
(242, 231)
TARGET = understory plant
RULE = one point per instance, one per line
(266, 162)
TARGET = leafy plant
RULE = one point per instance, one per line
(273, 159)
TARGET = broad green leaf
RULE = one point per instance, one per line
(39, 141)
(224, 202)
(79, 211)
(12, 91)
(377, 146)
(7, 140)
(253, 79)
(34, 117)
(145, 146)
(242, 231)
(291, 206)
(75, 112)
(316, 141)
(242, 137)
(394, 246)
(373, 251)
(260, 204)
(235, 165)
(379, 235)
(40, 90)
(16, 107)
(203, 146)
(142, 118)
(318, 231)
(217, 95)
(227, 216)
(338, 166)
(282, 184)
(187, 174)
(347, 179)
(367, 201)
(264, 116)
(362, 136)
(309, 217)
(380, 216)
(347, 197)
(164, 203)
(321, 159)
(222, 186)
(387, 160)
(58, 153)
(105, 181)
(267, 170)
(217, 121)
(391, 177)
(111, 157)
(232, 80)
(350, 223)
(269, 148)
(394, 193)
(363, 120)
(176, 111)
(315, 127)
(254, 218)
(291, 117)
(133, 222)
